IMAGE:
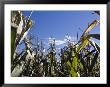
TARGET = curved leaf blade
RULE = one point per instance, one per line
(96, 46)
(90, 27)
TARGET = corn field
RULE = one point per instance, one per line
(81, 59)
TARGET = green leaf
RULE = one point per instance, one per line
(89, 53)
(73, 66)
(93, 61)
(81, 66)
(13, 37)
(73, 73)
(82, 45)
(68, 63)
(75, 63)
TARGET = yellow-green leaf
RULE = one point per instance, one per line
(82, 45)
(73, 73)
(90, 27)
(68, 63)
(81, 66)
(75, 63)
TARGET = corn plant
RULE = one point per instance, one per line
(78, 59)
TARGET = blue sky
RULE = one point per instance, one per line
(60, 23)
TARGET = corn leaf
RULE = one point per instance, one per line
(81, 66)
(96, 46)
(75, 63)
(90, 27)
(73, 72)
(68, 63)
(93, 61)
(96, 36)
(82, 45)
(13, 37)
(84, 66)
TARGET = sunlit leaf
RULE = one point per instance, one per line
(90, 27)
(75, 63)
(82, 45)
(73, 72)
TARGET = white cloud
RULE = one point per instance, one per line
(69, 38)
(51, 40)
(59, 42)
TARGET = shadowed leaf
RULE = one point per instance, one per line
(96, 36)
(93, 61)
(96, 46)
(13, 37)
